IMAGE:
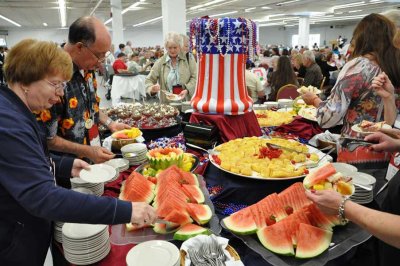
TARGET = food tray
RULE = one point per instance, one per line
(344, 238)
(120, 236)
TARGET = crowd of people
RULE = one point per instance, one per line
(60, 88)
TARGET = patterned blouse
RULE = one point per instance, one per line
(67, 118)
(352, 99)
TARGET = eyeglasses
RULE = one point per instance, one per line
(59, 88)
(99, 59)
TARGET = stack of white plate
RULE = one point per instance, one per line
(363, 195)
(96, 188)
(135, 153)
(98, 173)
(85, 244)
(58, 231)
(119, 165)
(153, 252)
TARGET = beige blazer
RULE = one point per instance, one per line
(161, 69)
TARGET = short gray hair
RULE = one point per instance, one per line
(173, 37)
(309, 55)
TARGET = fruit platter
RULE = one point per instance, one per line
(147, 116)
(180, 199)
(124, 137)
(162, 158)
(288, 229)
(266, 159)
(268, 118)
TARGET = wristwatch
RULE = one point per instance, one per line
(108, 122)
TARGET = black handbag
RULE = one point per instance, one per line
(201, 135)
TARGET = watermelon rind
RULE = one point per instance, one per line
(240, 228)
(274, 239)
(189, 231)
(312, 241)
(198, 217)
(164, 229)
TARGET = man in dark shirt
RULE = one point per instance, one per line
(313, 75)
(72, 124)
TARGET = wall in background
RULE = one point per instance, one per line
(283, 35)
(151, 36)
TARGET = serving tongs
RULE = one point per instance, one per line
(352, 143)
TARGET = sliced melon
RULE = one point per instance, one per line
(318, 175)
(312, 241)
(194, 193)
(241, 222)
(164, 229)
(201, 213)
(190, 230)
(132, 227)
(276, 239)
(162, 158)
(178, 217)
(137, 189)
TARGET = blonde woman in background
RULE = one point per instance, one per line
(171, 71)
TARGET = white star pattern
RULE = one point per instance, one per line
(237, 24)
(234, 39)
(224, 39)
(237, 47)
(229, 48)
(208, 48)
(221, 24)
(203, 40)
(239, 31)
(208, 24)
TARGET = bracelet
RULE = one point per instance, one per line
(341, 213)
(108, 122)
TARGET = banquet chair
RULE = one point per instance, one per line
(288, 91)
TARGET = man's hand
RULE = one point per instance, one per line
(77, 166)
(114, 126)
(142, 213)
(99, 154)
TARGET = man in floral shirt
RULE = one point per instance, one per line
(72, 124)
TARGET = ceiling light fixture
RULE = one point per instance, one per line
(45, 24)
(206, 4)
(131, 7)
(147, 21)
(249, 9)
(287, 2)
(223, 14)
(272, 24)
(11, 21)
(276, 15)
(63, 12)
(349, 5)
(266, 7)
(355, 11)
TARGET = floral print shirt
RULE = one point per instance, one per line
(79, 103)
(352, 99)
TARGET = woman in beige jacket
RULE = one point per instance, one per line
(173, 69)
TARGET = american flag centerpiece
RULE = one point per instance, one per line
(222, 46)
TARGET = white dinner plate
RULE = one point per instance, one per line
(153, 252)
(118, 163)
(309, 113)
(358, 129)
(82, 231)
(364, 179)
(173, 97)
(315, 91)
(345, 168)
(282, 110)
(98, 173)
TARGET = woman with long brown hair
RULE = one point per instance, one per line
(354, 98)
(283, 75)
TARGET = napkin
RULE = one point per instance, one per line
(107, 143)
(196, 243)
(301, 127)
(327, 136)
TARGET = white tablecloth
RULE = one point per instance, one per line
(128, 86)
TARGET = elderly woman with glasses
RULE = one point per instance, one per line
(30, 197)
(173, 72)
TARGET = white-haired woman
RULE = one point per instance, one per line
(172, 72)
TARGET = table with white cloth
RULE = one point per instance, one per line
(128, 86)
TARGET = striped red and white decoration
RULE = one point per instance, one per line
(221, 87)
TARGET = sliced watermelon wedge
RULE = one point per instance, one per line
(178, 217)
(194, 193)
(201, 213)
(312, 241)
(164, 229)
(190, 230)
(137, 189)
(241, 222)
(276, 239)
(318, 175)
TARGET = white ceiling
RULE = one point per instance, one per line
(33, 13)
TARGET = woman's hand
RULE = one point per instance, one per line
(383, 86)
(309, 98)
(114, 126)
(328, 201)
(77, 166)
(142, 213)
(183, 94)
(385, 142)
(154, 89)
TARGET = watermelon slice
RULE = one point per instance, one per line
(164, 229)
(312, 241)
(194, 193)
(276, 239)
(317, 218)
(201, 213)
(318, 175)
(137, 189)
(241, 222)
(178, 217)
(190, 230)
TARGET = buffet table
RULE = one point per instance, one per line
(129, 86)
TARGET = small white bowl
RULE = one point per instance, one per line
(134, 147)
(271, 104)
